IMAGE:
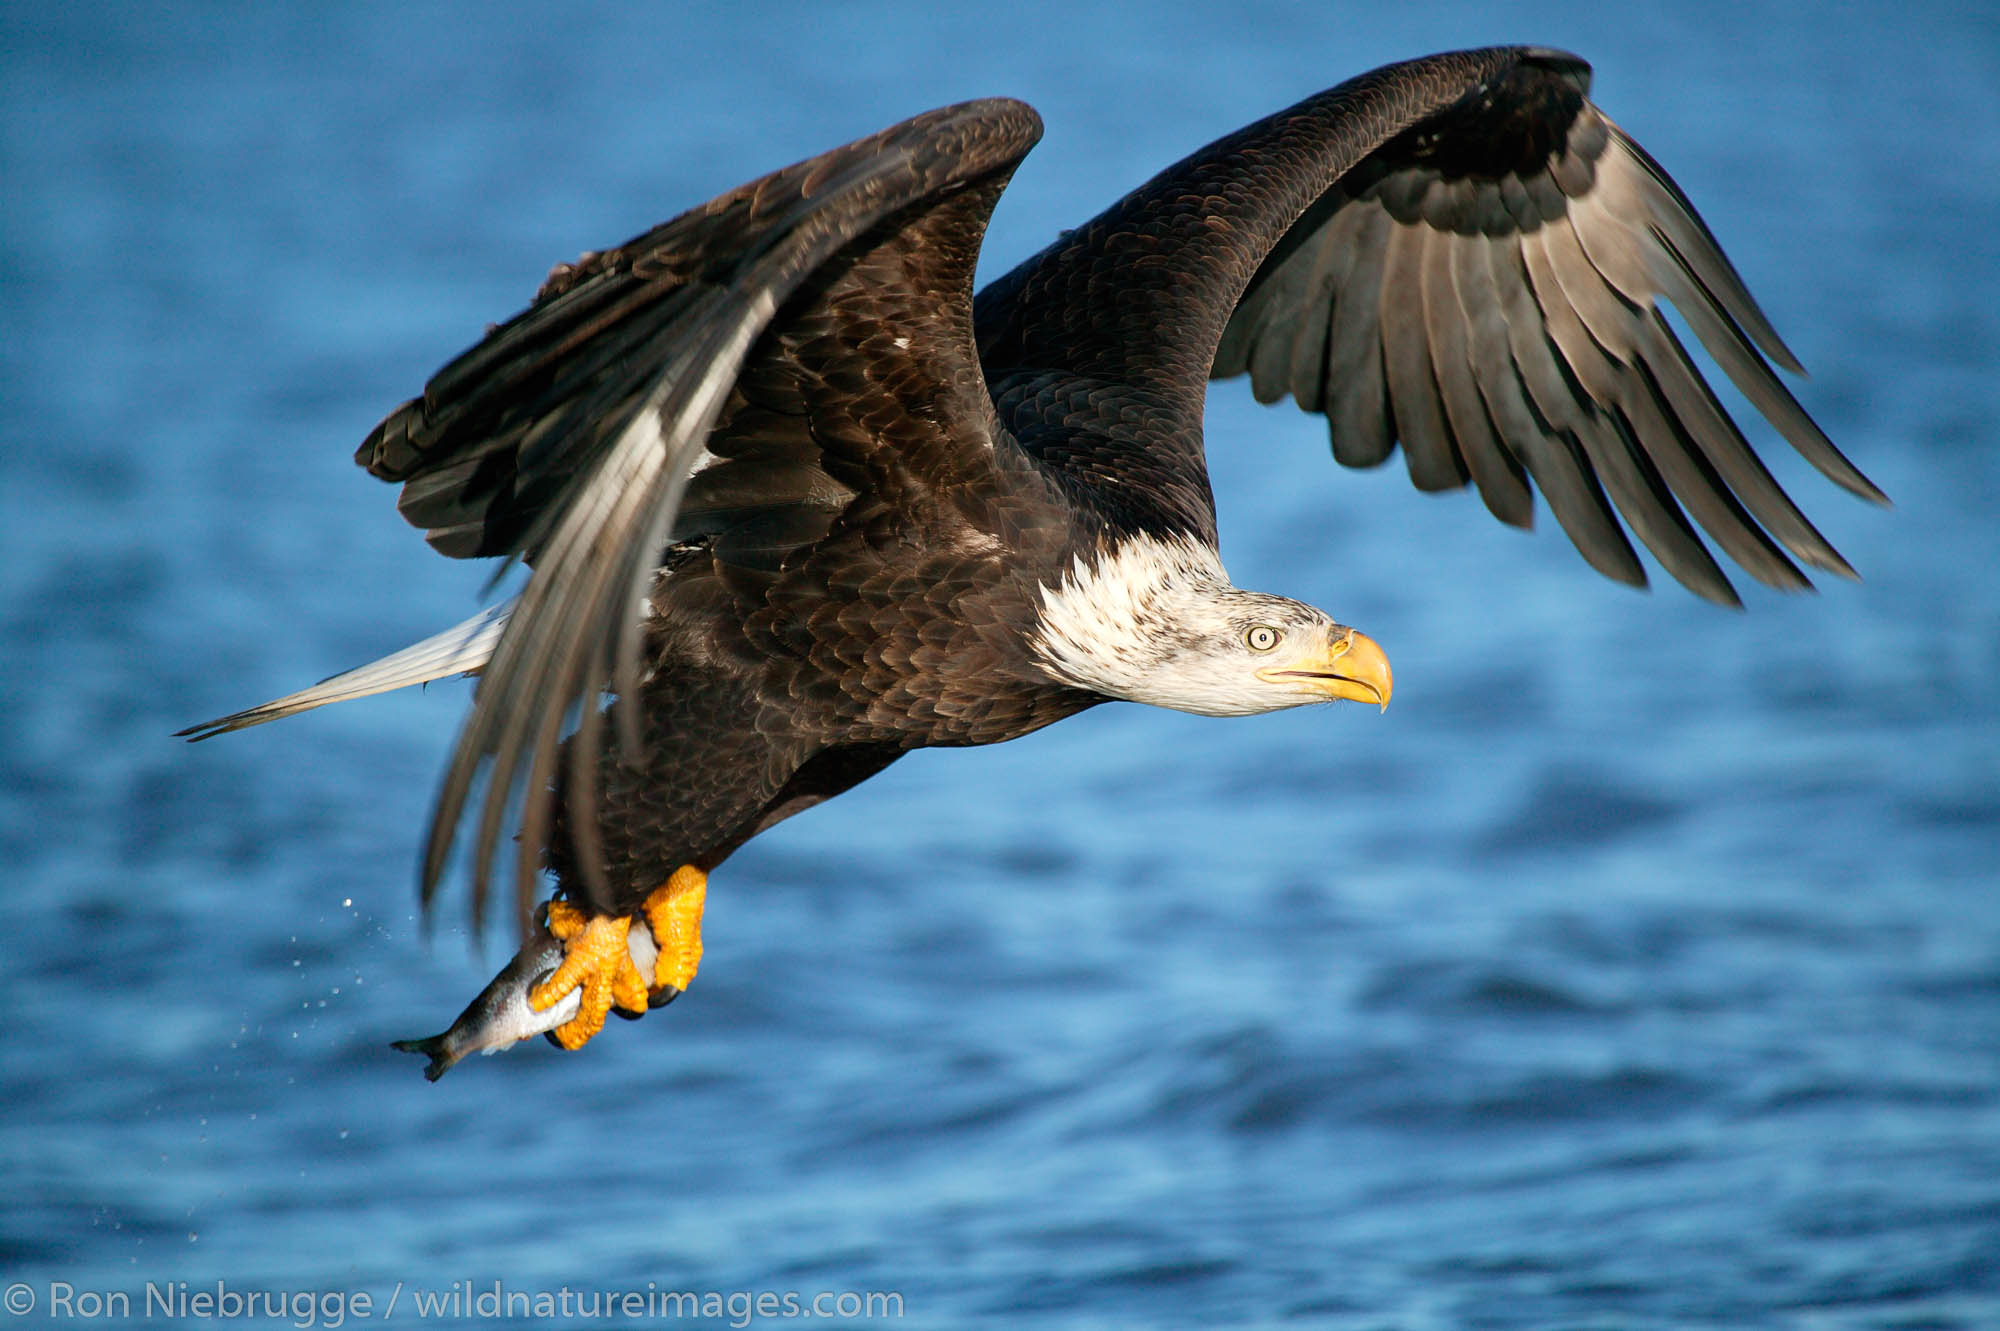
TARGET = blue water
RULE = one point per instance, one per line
(1639, 968)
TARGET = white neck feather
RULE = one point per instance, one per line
(1133, 622)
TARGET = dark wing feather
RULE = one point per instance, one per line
(569, 435)
(1505, 258)
(1127, 310)
(1417, 405)
(1353, 388)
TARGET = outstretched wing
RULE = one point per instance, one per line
(1484, 288)
(569, 436)
(1459, 253)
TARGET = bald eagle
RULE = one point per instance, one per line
(796, 502)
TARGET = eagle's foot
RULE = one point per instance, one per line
(596, 959)
(673, 913)
(597, 956)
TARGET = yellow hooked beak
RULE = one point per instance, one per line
(1353, 667)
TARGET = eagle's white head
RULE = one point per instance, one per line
(1158, 621)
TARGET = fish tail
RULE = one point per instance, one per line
(435, 1048)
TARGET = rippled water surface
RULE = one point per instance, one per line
(1639, 968)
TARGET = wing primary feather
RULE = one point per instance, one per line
(718, 364)
(1553, 391)
(1577, 499)
(1483, 373)
(1574, 495)
(536, 804)
(1464, 416)
(580, 792)
(1683, 230)
(1649, 507)
(1722, 339)
(1705, 493)
(1325, 268)
(1301, 366)
(559, 436)
(1265, 350)
(1428, 447)
(1589, 262)
(492, 366)
(1592, 324)
(1262, 341)
(1599, 309)
(1234, 353)
(1690, 401)
(1616, 232)
(1358, 423)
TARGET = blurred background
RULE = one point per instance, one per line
(1639, 968)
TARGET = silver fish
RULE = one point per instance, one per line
(500, 1017)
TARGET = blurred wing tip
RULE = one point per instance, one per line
(222, 725)
(1760, 334)
(1631, 575)
(1866, 489)
(1835, 466)
(1831, 561)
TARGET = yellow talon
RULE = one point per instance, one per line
(673, 912)
(597, 956)
(595, 959)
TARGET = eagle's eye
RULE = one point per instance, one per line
(1262, 638)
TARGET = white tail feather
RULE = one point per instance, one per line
(459, 650)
